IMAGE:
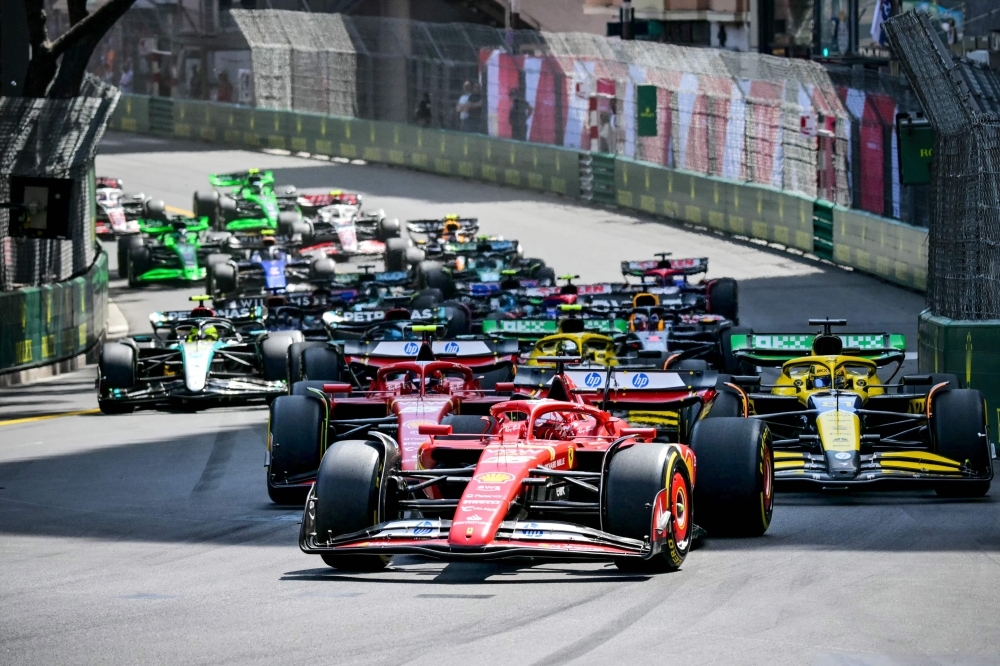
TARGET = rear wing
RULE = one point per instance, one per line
(241, 314)
(482, 246)
(239, 178)
(690, 266)
(581, 290)
(332, 198)
(540, 328)
(105, 181)
(304, 300)
(644, 381)
(408, 349)
(773, 349)
(366, 318)
(468, 225)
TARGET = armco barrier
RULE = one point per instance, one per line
(890, 250)
(968, 349)
(43, 325)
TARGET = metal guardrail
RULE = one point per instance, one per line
(881, 247)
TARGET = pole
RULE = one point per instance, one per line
(627, 17)
(817, 41)
(852, 26)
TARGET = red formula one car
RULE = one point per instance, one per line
(530, 478)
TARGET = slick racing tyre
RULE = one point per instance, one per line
(734, 495)
(958, 427)
(139, 262)
(221, 278)
(426, 298)
(347, 499)
(206, 204)
(227, 212)
(430, 275)
(321, 364)
(635, 476)
(723, 299)
(387, 229)
(908, 385)
(731, 364)
(216, 258)
(287, 223)
(125, 245)
(546, 276)
(274, 354)
(395, 255)
(323, 269)
(117, 366)
(155, 209)
(458, 319)
(294, 367)
(294, 434)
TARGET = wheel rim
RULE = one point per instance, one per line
(680, 509)
(767, 497)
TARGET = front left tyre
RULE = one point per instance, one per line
(294, 438)
(117, 368)
(635, 476)
(347, 499)
(958, 427)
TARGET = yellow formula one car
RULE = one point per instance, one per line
(589, 347)
(836, 423)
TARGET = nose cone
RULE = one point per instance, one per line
(843, 464)
(197, 360)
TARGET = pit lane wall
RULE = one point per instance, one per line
(53, 324)
(891, 250)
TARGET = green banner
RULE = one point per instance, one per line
(645, 106)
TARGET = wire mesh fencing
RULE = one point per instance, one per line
(962, 102)
(740, 116)
(53, 138)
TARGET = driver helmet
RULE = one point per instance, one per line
(639, 322)
(256, 185)
(207, 333)
(821, 376)
(567, 347)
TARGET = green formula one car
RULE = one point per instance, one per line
(252, 204)
(170, 248)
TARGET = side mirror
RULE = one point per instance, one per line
(647, 434)
(505, 387)
(434, 430)
(337, 388)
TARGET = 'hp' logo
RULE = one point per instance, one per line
(423, 527)
(451, 348)
(592, 379)
(411, 348)
(641, 380)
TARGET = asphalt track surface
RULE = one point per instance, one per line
(149, 538)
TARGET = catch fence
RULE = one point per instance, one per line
(740, 116)
(53, 138)
(962, 102)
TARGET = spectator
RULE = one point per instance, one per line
(125, 80)
(225, 90)
(474, 110)
(423, 114)
(520, 111)
(196, 86)
(462, 107)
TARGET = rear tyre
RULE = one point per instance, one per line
(221, 278)
(125, 244)
(294, 362)
(287, 222)
(469, 424)
(226, 213)
(458, 319)
(735, 491)
(726, 404)
(414, 256)
(395, 255)
(155, 209)
(427, 298)
(546, 276)
(347, 499)
(274, 354)
(295, 434)
(323, 269)
(432, 276)
(216, 258)
(635, 476)
(730, 363)
(723, 299)
(321, 364)
(206, 204)
(387, 229)
(958, 425)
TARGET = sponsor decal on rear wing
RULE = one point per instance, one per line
(642, 380)
(787, 346)
(539, 328)
(690, 266)
(474, 247)
(303, 299)
(238, 178)
(410, 348)
(354, 317)
(466, 225)
(581, 290)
